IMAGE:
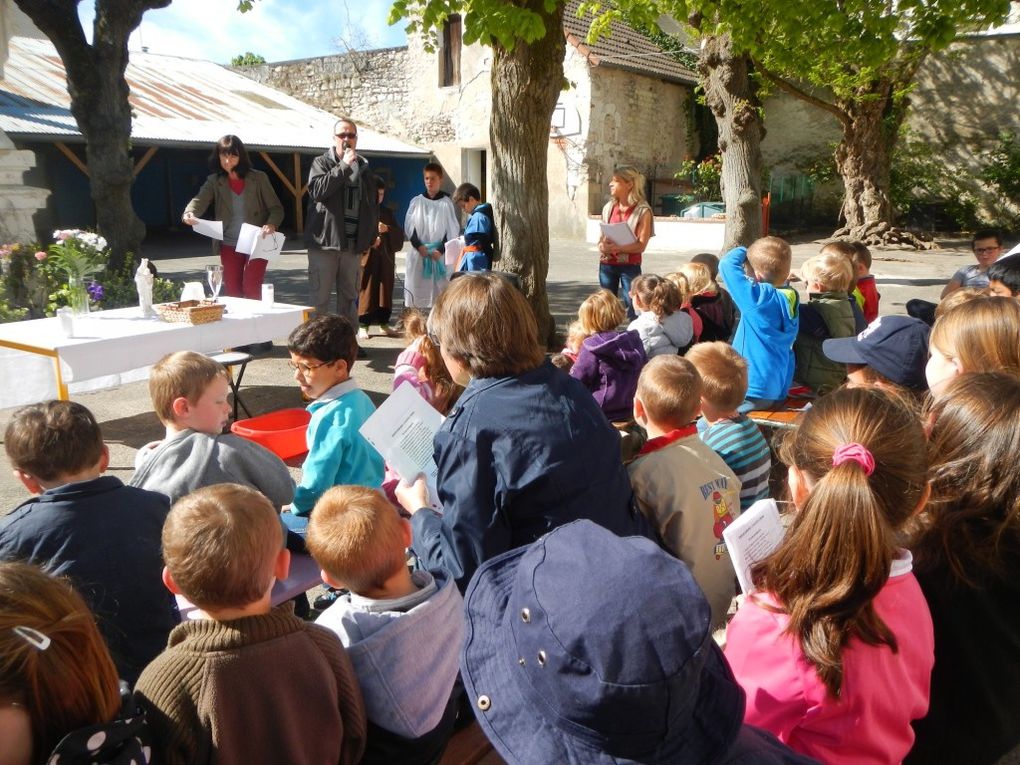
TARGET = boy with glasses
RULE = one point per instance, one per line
(987, 246)
(322, 352)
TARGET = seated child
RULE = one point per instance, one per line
(189, 393)
(683, 288)
(684, 488)
(1004, 277)
(727, 314)
(987, 246)
(101, 534)
(575, 337)
(731, 435)
(663, 327)
(891, 354)
(865, 292)
(654, 688)
(827, 314)
(244, 667)
(769, 318)
(848, 251)
(479, 232)
(402, 631)
(609, 361)
(711, 303)
(60, 699)
(421, 365)
(322, 353)
(834, 648)
(982, 335)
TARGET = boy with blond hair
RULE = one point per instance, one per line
(89, 527)
(360, 542)
(245, 666)
(769, 317)
(733, 436)
(828, 314)
(684, 488)
(189, 393)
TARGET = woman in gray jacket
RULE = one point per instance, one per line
(240, 195)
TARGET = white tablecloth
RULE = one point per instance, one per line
(114, 347)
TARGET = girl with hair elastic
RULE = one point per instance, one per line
(967, 553)
(239, 194)
(662, 325)
(59, 693)
(421, 365)
(981, 335)
(620, 263)
(834, 648)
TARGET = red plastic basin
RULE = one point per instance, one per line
(282, 432)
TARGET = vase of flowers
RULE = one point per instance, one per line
(79, 254)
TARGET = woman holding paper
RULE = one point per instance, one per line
(620, 250)
(239, 195)
(524, 450)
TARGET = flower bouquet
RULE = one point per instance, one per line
(79, 254)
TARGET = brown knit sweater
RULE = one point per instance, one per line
(262, 689)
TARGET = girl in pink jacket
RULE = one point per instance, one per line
(835, 647)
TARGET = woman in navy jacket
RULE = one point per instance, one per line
(526, 448)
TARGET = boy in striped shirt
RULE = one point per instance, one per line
(731, 435)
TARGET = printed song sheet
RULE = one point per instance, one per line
(401, 430)
(756, 533)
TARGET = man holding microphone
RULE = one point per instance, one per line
(342, 222)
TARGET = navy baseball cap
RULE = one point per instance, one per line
(894, 346)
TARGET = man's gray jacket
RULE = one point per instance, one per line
(328, 181)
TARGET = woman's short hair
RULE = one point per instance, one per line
(53, 661)
(485, 323)
(230, 144)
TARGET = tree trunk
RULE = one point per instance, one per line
(871, 126)
(99, 103)
(526, 81)
(733, 98)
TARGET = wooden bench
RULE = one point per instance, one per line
(304, 575)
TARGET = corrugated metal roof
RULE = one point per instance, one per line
(623, 48)
(176, 102)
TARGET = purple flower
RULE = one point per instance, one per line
(95, 290)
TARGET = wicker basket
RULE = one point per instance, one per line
(191, 311)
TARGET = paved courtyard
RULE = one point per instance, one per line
(128, 421)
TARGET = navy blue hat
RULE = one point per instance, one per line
(586, 647)
(894, 346)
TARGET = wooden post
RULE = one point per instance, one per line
(140, 164)
(66, 151)
(295, 188)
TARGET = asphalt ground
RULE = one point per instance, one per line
(128, 422)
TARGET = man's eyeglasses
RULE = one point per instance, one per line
(306, 368)
(347, 136)
(983, 250)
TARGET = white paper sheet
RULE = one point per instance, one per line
(620, 233)
(401, 430)
(247, 237)
(1014, 251)
(210, 228)
(751, 537)
(453, 250)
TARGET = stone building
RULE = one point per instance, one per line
(628, 102)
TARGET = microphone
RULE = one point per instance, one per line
(345, 145)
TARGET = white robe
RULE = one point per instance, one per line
(433, 220)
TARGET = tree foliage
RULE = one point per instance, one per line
(248, 59)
